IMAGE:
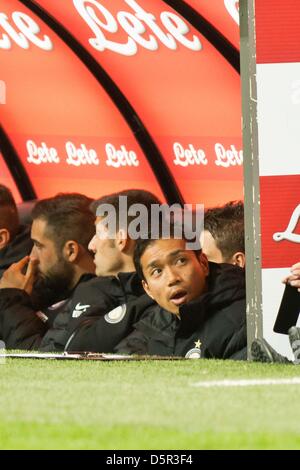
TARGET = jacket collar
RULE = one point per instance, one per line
(131, 283)
(226, 284)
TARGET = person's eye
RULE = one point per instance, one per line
(155, 272)
(180, 261)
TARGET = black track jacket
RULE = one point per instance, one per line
(23, 327)
(104, 324)
(213, 326)
(96, 302)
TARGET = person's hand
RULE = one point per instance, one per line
(294, 278)
(13, 277)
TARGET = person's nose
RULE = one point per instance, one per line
(33, 254)
(172, 276)
(91, 246)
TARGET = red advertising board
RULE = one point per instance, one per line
(170, 74)
(278, 85)
(280, 220)
(272, 135)
(65, 128)
(277, 31)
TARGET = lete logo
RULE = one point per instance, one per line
(289, 234)
(22, 30)
(136, 25)
(232, 6)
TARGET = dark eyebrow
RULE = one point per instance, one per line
(153, 264)
(173, 254)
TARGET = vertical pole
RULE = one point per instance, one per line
(251, 172)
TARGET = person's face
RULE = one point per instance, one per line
(107, 256)
(210, 248)
(53, 270)
(44, 249)
(173, 275)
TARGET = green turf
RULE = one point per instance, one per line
(145, 405)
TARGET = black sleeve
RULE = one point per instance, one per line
(103, 328)
(236, 348)
(21, 327)
(135, 343)
(87, 320)
(86, 308)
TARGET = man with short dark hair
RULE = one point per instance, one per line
(199, 308)
(100, 320)
(223, 236)
(60, 260)
(95, 317)
(15, 240)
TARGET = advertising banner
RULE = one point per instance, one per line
(67, 131)
(62, 122)
(277, 77)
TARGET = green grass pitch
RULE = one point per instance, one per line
(48, 404)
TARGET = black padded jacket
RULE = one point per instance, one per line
(213, 326)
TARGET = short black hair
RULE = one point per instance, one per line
(68, 217)
(134, 196)
(149, 239)
(226, 225)
(9, 217)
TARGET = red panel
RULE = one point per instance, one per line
(280, 213)
(223, 15)
(68, 132)
(186, 93)
(7, 180)
(277, 31)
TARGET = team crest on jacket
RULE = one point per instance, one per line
(116, 315)
(194, 353)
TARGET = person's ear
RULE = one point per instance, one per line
(71, 251)
(4, 237)
(239, 259)
(146, 289)
(122, 240)
(204, 261)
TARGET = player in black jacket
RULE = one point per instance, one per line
(108, 319)
(59, 261)
(93, 309)
(200, 308)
